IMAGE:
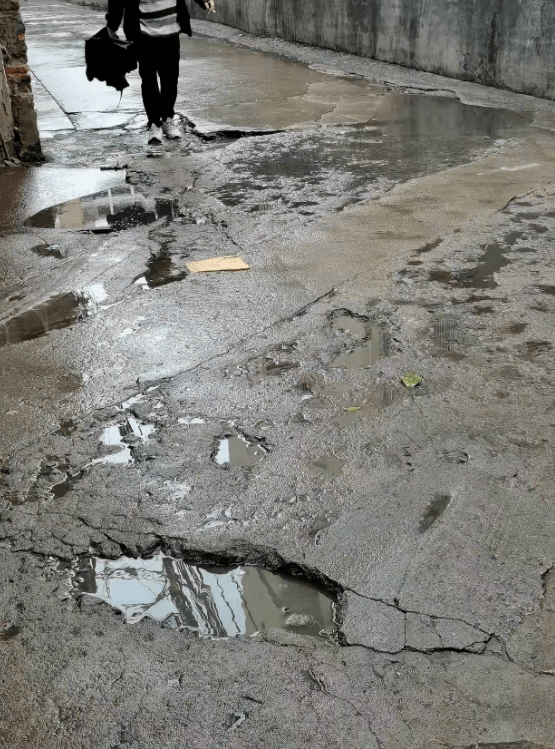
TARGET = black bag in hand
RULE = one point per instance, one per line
(109, 59)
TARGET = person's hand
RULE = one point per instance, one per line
(210, 7)
(112, 34)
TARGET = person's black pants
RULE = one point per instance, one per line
(158, 59)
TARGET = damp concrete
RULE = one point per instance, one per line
(424, 512)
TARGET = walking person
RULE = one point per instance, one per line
(154, 27)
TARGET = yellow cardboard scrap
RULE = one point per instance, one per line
(217, 263)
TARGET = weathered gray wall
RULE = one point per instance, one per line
(507, 43)
(18, 120)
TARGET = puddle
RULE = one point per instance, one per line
(213, 601)
(479, 277)
(376, 346)
(330, 465)
(348, 323)
(533, 349)
(512, 237)
(434, 510)
(161, 270)
(517, 327)
(60, 311)
(9, 633)
(119, 207)
(380, 398)
(64, 487)
(122, 436)
(238, 452)
(266, 367)
(52, 250)
(429, 247)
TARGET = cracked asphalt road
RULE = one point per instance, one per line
(387, 232)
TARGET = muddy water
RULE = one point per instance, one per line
(116, 208)
(60, 311)
(238, 452)
(215, 601)
(377, 345)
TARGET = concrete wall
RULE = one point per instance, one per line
(18, 120)
(506, 43)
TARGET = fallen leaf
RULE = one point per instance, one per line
(217, 264)
(353, 409)
(411, 380)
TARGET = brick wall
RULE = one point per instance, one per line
(18, 119)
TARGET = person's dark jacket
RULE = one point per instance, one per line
(128, 10)
(109, 59)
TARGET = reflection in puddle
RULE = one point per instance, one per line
(377, 345)
(161, 270)
(120, 207)
(408, 136)
(60, 311)
(237, 452)
(482, 276)
(119, 436)
(215, 602)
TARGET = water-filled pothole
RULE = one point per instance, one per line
(60, 311)
(377, 344)
(237, 451)
(123, 436)
(213, 601)
(120, 207)
(348, 322)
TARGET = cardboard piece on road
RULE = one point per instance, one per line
(216, 264)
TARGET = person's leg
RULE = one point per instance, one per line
(168, 69)
(147, 54)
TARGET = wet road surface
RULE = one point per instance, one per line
(354, 434)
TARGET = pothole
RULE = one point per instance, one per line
(238, 451)
(347, 322)
(212, 601)
(377, 344)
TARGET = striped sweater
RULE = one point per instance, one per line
(158, 17)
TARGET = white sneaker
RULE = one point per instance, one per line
(171, 129)
(154, 135)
